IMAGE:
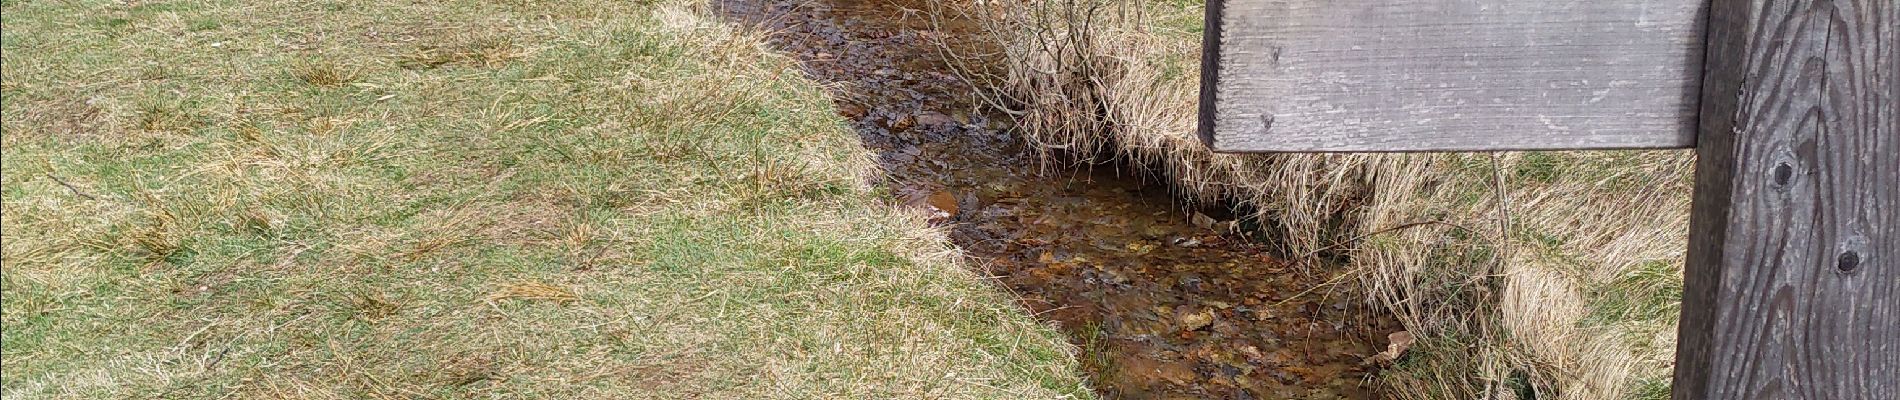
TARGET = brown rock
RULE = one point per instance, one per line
(933, 119)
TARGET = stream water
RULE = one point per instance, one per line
(1160, 306)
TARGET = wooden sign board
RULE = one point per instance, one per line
(1442, 75)
(1792, 284)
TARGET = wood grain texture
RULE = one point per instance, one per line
(1793, 278)
(1423, 75)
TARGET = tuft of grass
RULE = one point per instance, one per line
(323, 74)
(533, 291)
(515, 199)
(470, 49)
(1522, 283)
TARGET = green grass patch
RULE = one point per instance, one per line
(459, 199)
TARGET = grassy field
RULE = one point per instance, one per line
(460, 199)
(1552, 275)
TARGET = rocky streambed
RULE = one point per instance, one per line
(1163, 303)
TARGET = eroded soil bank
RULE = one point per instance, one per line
(1162, 307)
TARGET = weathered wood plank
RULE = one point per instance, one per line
(1793, 279)
(1423, 75)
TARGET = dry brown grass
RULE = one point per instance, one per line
(1561, 282)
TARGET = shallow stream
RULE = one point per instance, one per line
(1162, 307)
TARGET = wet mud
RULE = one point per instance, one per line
(1162, 302)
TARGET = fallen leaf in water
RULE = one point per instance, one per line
(851, 110)
(1400, 341)
(904, 122)
(1140, 248)
(1196, 321)
(1252, 353)
(943, 201)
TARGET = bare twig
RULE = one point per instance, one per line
(1493, 388)
(1399, 227)
(1335, 280)
(69, 186)
(1504, 211)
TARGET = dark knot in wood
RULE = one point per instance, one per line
(1848, 262)
(1783, 173)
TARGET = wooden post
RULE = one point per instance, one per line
(1793, 278)
(1792, 287)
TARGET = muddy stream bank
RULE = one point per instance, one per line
(1161, 307)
